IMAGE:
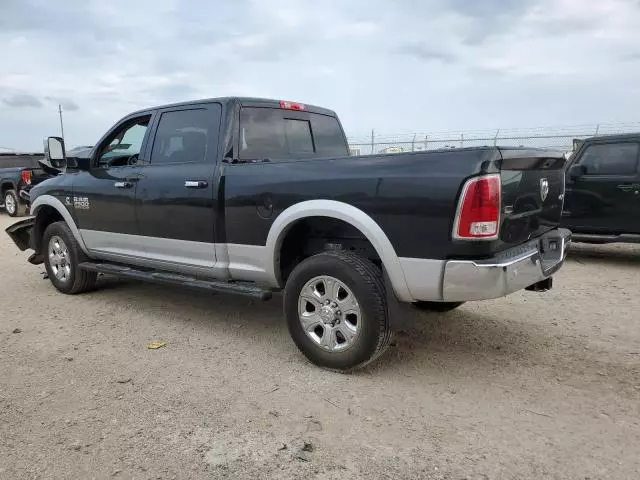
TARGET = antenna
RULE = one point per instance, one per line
(61, 124)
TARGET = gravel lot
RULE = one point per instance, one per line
(530, 386)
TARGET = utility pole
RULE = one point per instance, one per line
(61, 124)
(373, 137)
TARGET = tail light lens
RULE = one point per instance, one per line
(26, 176)
(478, 214)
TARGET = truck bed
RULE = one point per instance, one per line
(412, 196)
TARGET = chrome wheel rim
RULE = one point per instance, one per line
(10, 204)
(329, 313)
(59, 259)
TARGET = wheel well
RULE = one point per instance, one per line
(5, 186)
(45, 216)
(313, 235)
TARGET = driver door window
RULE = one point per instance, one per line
(611, 159)
(124, 145)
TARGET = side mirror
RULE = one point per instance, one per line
(576, 171)
(55, 154)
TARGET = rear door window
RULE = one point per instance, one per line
(328, 136)
(283, 134)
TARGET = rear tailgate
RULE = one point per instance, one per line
(533, 184)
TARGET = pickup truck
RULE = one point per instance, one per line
(602, 202)
(19, 172)
(255, 196)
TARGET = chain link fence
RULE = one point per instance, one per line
(559, 138)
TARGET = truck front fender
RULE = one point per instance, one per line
(52, 202)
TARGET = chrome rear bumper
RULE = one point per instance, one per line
(510, 271)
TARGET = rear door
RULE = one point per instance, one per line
(175, 191)
(606, 197)
(269, 136)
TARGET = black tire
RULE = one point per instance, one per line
(77, 281)
(365, 280)
(19, 208)
(439, 307)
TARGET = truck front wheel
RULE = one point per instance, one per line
(62, 255)
(336, 312)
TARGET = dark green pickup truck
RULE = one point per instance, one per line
(19, 172)
(602, 203)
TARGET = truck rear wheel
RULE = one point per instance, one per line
(13, 205)
(62, 255)
(336, 311)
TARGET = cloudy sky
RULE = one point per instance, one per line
(392, 65)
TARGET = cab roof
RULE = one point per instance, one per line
(617, 136)
(243, 101)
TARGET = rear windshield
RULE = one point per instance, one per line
(286, 134)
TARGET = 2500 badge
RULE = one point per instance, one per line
(81, 203)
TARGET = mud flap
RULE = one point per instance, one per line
(20, 233)
(397, 311)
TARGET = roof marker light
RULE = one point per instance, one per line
(292, 106)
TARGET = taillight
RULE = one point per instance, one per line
(292, 106)
(26, 176)
(478, 215)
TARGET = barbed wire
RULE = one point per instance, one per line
(539, 137)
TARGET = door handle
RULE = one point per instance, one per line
(195, 184)
(629, 187)
(123, 184)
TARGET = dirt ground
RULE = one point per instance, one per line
(530, 386)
